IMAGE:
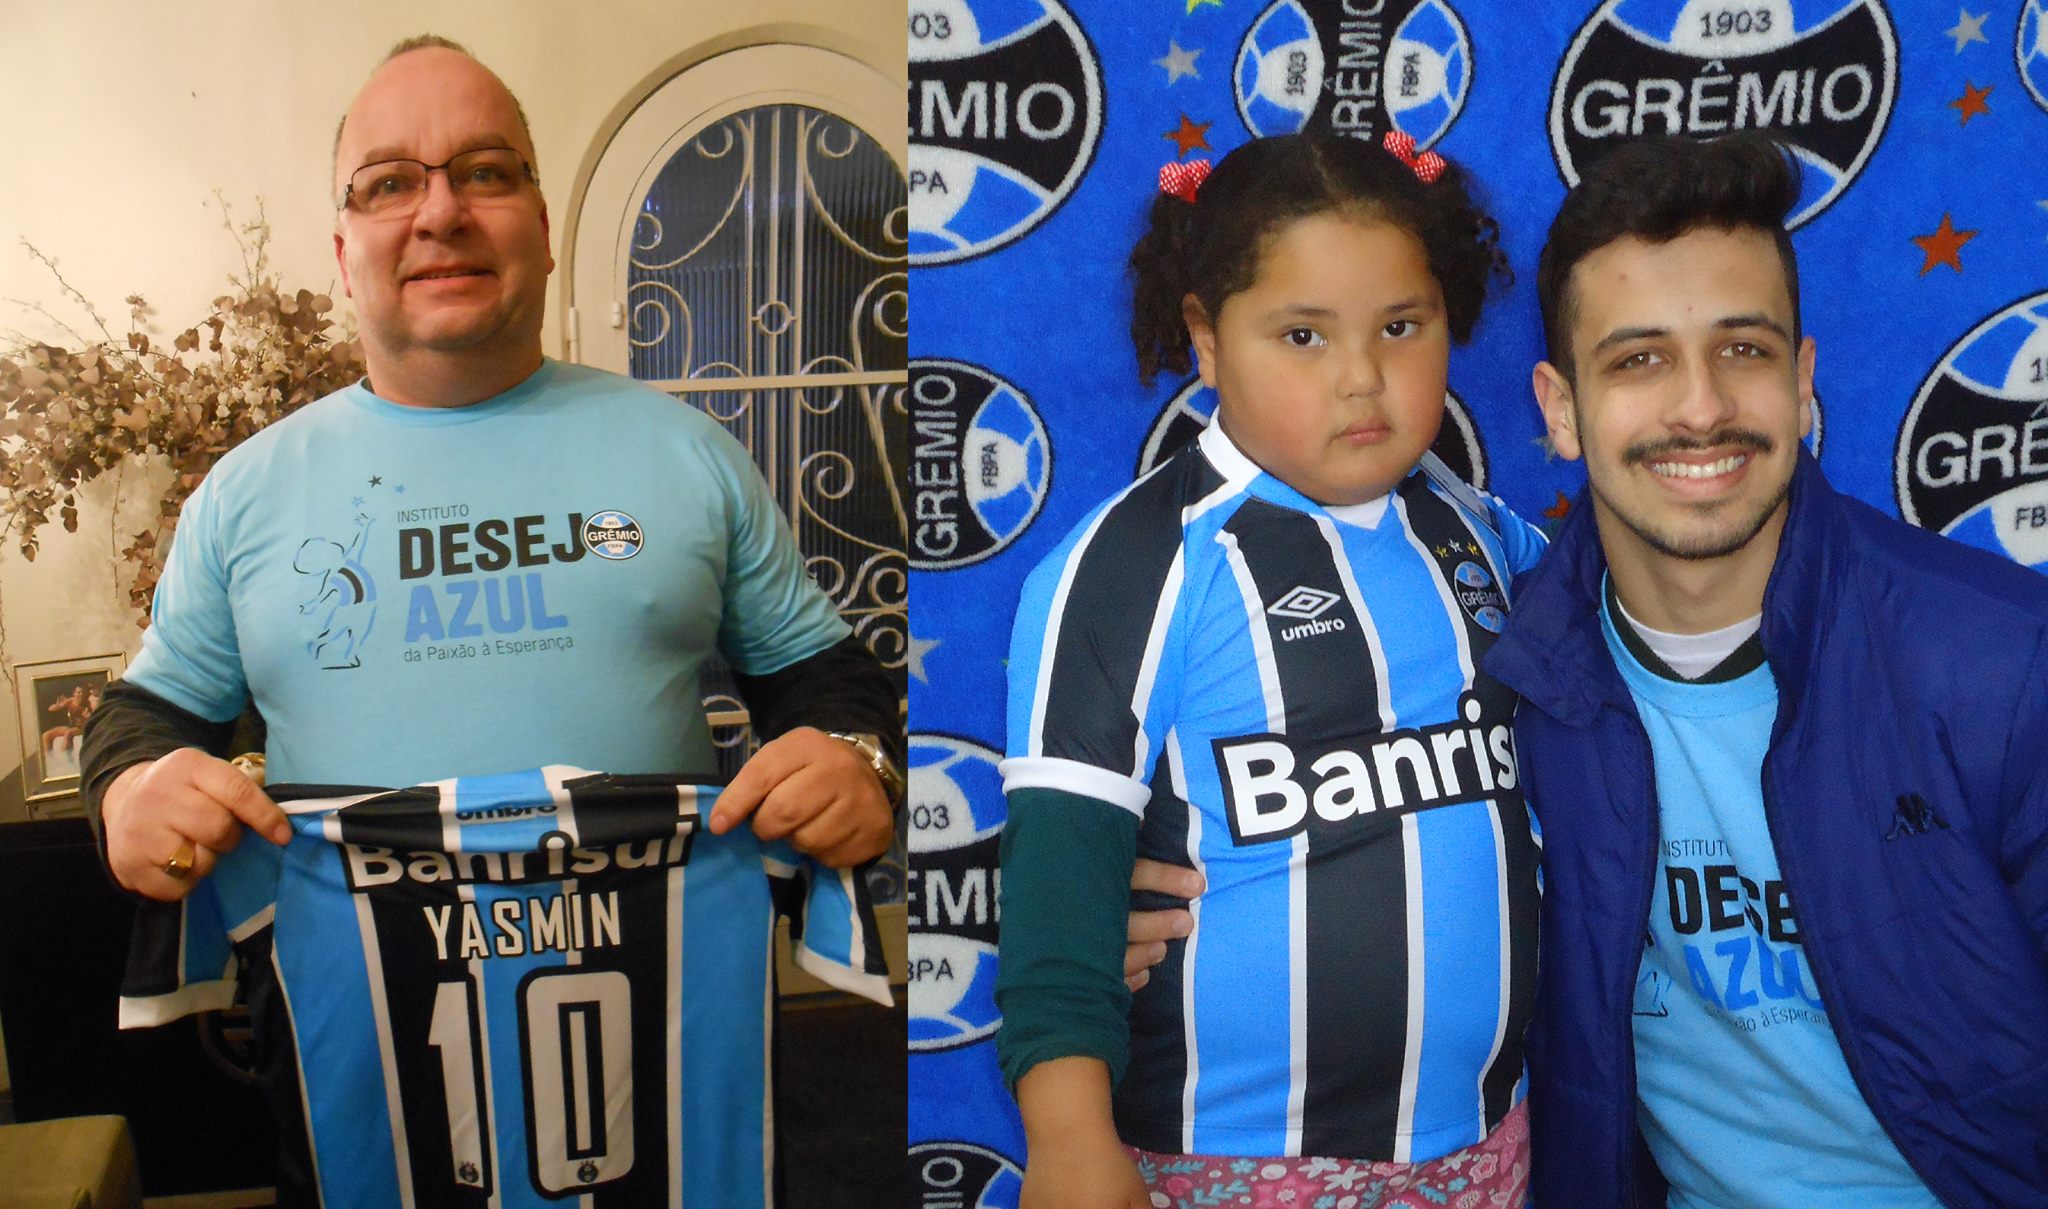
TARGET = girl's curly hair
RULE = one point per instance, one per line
(1211, 247)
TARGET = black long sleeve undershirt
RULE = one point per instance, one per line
(133, 726)
(840, 688)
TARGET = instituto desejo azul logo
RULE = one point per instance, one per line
(1972, 453)
(956, 811)
(1005, 112)
(1354, 67)
(1819, 75)
(980, 464)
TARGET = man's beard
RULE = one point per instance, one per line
(1716, 545)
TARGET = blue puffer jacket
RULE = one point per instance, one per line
(1906, 665)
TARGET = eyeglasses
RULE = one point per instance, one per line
(394, 187)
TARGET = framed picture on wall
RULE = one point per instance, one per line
(53, 699)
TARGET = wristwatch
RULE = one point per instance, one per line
(870, 749)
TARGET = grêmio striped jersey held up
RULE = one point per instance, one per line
(541, 988)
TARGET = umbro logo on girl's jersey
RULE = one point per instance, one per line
(1305, 605)
(1302, 603)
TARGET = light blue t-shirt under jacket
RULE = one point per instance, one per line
(1743, 1094)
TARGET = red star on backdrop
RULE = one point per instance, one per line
(1190, 135)
(1944, 246)
(1971, 103)
(1560, 509)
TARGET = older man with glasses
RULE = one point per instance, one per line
(477, 559)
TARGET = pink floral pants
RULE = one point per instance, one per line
(1493, 1174)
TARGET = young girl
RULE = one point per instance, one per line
(1262, 661)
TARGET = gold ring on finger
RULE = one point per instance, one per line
(179, 866)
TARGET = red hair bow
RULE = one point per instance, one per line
(1183, 180)
(1427, 166)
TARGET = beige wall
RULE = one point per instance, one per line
(119, 121)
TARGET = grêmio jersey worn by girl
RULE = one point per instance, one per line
(510, 990)
(1289, 697)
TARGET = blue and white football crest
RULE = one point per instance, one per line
(1005, 110)
(2030, 49)
(1428, 68)
(1972, 459)
(1312, 62)
(1007, 454)
(1819, 75)
(612, 535)
(1279, 71)
(980, 463)
(961, 1175)
(956, 812)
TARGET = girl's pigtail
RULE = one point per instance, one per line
(1483, 231)
(1160, 280)
(1464, 246)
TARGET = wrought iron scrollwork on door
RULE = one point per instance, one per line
(767, 284)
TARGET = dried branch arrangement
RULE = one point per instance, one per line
(70, 415)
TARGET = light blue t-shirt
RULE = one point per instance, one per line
(412, 593)
(1743, 1094)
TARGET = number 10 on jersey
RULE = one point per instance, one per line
(575, 1039)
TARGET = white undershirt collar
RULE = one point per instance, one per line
(1236, 467)
(1692, 655)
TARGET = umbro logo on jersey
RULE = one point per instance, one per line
(1304, 604)
(1307, 605)
(502, 812)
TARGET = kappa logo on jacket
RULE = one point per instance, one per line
(1914, 817)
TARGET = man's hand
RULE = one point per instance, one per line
(153, 811)
(1150, 930)
(815, 790)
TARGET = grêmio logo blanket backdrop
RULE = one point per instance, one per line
(1037, 130)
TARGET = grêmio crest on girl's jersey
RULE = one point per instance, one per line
(508, 990)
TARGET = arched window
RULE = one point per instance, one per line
(741, 242)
